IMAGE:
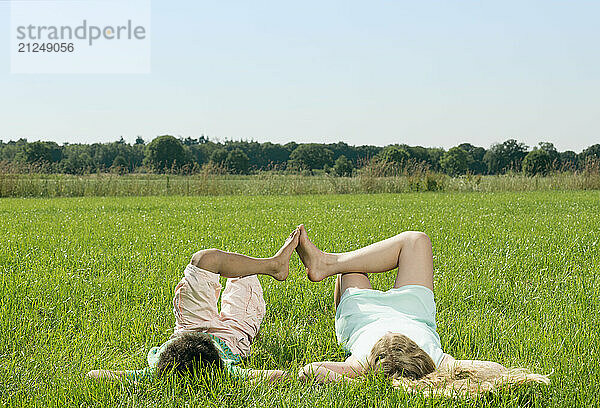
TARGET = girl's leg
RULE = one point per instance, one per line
(349, 280)
(409, 251)
(232, 265)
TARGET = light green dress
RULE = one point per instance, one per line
(363, 316)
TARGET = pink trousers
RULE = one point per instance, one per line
(242, 307)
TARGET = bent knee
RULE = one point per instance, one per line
(416, 238)
(205, 259)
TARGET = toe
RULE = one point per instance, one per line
(294, 235)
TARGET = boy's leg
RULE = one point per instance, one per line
(232, 265)
(242, 310)
(409, 251)
(196, 295)
(195, 300)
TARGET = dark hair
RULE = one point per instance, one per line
(399, 356)
(188, 353)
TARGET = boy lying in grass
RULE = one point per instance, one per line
(204, 337)
(393, 332)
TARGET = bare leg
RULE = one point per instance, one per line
(349, 280)
(232, 265)
(409, 251)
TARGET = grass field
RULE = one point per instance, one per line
(87, 283)
(138, 185)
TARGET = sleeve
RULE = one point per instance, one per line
(139, 375)
(154, 354)
(237, 372)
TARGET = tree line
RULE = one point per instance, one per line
(188, 155)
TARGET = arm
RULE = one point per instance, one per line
(480, 368)
(332, 371)
(256, 375)
(131, 375)
(270, 376)
(106, 375)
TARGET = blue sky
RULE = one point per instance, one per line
(431, 73)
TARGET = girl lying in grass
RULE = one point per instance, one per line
(395, 331)
(203, 337)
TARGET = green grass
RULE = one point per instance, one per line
(87, 283)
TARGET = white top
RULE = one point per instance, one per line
(365, 315)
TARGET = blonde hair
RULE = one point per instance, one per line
(398, 356)
(469, 382)
(412, 370)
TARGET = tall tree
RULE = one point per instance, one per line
(552, 153)
(48, 152)
(273, 155)
(537, 161)
(395, 155)
(165, 152)
(218, 157)
(505, 156)
(456, 161)
(568, 160)
(237, 162)
(77, 159)
(343, 167)
(591, 153)
(477, 153)
(311, 156)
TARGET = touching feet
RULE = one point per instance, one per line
(312, 257)
(317, 262)
(282, 257)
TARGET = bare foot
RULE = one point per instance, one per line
(312, 257)
(282, 257)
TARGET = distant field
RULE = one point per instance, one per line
(87, 283)
(114, 185)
